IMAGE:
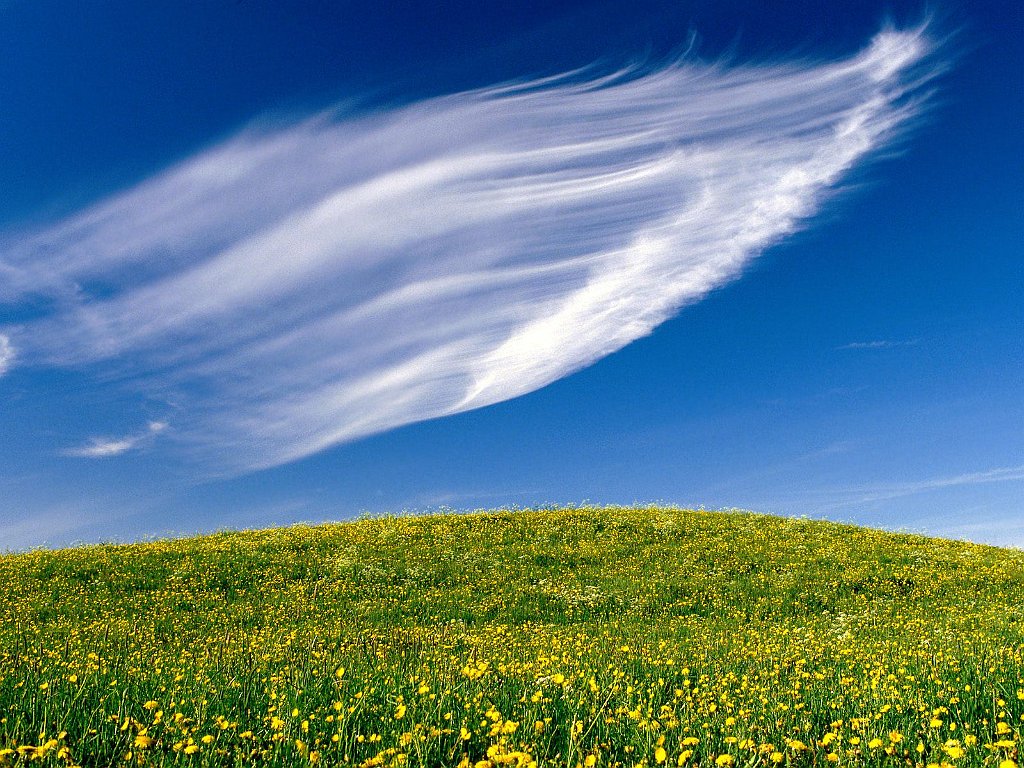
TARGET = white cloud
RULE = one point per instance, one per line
(896, 490)
(26, 531)
(879, 344)
(6, 354)
(835, 498)
(305, 285)
(104, 447)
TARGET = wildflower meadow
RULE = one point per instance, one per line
(565, 637)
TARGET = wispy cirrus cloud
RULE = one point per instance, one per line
(6, 354)
(885, 492)
(105, 447)
(303, 285)
(57, 523)
(832, 498)
(880, 344)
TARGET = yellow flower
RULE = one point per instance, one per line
(660, 754)
(150, 705)
(724, 760)
(591, 761)
(142, 741)
(400, 712)
(191, 749)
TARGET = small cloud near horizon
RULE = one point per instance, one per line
(875, 492)
(105, 447)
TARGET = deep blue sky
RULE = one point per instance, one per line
(869, 368)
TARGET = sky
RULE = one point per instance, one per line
(267, 263)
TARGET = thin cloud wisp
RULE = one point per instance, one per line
(296, 287)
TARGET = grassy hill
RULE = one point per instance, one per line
(557, 638)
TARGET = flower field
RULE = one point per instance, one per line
(568, 637)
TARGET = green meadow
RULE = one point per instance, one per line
(565, 637)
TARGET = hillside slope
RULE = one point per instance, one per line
(559, 637)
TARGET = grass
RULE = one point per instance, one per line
(607, 637)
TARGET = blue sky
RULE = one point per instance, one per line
(265, 263)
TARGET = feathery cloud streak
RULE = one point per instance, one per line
(879, 344)
(897, 490)
(6, 354)
(104, 447)
(297, 287)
